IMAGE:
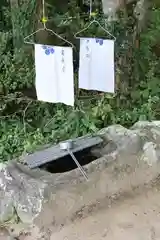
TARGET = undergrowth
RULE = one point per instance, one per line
(26, 123)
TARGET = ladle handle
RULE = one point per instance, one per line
(78, 165)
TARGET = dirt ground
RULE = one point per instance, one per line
(135, 218)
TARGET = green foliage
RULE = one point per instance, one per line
(25, 124)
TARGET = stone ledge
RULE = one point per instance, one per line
(59, 198)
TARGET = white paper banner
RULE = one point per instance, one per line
(96, 69)
(54, 74)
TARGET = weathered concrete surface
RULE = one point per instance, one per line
(125, 166)
(21, 194)
(77, 200)
(135, 217)
(129, 158)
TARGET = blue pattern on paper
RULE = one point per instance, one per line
(48, 50)
(100, 41)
